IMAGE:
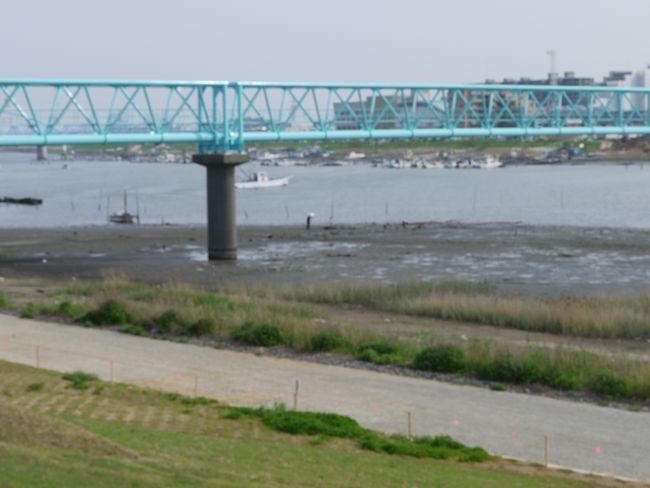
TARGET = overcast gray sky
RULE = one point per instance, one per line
(332, 40)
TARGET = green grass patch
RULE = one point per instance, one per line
(338, 426)
(264, 334)
(111, 312)
(33, 387)
(380, 352)
(28, 312)
(442, 358)
(326, 341)
(135, 330)
(79, 379)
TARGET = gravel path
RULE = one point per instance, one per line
(582, 436)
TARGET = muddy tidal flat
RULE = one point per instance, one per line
(517, 259)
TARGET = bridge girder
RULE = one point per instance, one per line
(225, 116)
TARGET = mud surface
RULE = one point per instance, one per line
(517, 259)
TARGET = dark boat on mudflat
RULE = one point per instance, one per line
(22, 201)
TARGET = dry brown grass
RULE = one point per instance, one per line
(598, 317)
(18, 426)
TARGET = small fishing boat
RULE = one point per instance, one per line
(259, 179)
(491, 163)
(124, 217)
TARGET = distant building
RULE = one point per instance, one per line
(500, 108)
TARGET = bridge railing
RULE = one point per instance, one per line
(226, 115)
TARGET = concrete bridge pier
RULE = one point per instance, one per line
(41, 153)
(222, 226)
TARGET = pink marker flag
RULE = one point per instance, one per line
(455, 423)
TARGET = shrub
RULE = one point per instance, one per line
(308, 423)
(474, 455)
(325, 341)
(498, 387)
(202, 327)
(169, 321)
(379, 346)
(68, 309)
(111, 312)
(379, 352)
(266, 334)
(566, 381)
(28, 312)
(442, 359)
(4, 303)
(609, 384)
(80, 379)
(372, 356)
(440, 441)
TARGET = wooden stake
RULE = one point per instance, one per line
(112, 373)
(196, 386)
(546, 451)
(410, 425)
(38, 356)
(295, 396)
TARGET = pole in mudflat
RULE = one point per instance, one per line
(410, 425)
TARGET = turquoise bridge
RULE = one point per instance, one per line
(225, 116)
(221, 118)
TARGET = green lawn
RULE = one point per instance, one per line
(112, 435)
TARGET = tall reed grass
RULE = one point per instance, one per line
(594, 317)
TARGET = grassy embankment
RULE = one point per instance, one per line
(289, 318)
(73, 430)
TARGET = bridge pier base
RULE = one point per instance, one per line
(41, 153)
(222, 226)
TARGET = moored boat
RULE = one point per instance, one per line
(124, 217)
(259, 179)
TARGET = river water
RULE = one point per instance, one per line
(86, 192)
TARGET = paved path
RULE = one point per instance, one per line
(582, 436)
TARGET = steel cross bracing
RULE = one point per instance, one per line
(224, 116)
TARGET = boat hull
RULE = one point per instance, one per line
(251, 185)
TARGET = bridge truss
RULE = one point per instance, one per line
(225, 116)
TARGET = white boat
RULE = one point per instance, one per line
(355, 155)
(260, 179)
(491, 163)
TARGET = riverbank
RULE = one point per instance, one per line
(554, 150)
(325, 296)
